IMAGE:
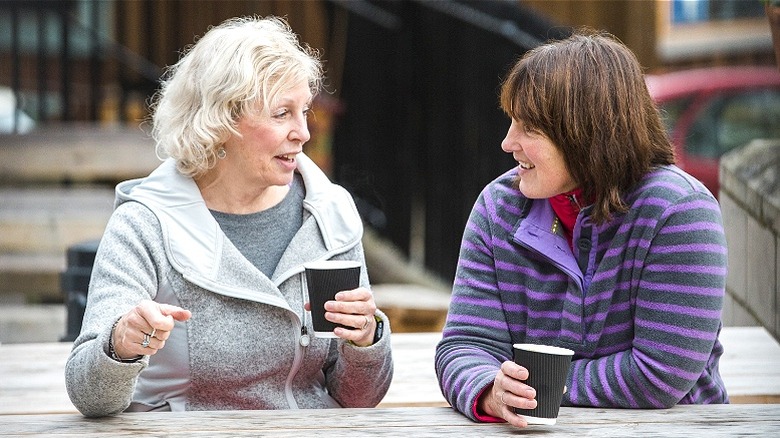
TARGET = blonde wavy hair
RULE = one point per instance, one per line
(240, 65)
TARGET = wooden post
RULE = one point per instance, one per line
(773, 13)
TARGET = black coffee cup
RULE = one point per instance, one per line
(548, 368)
(323, 280)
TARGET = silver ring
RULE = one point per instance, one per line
(154, 331)
(365, 326)
(501, 397)
(147, 338)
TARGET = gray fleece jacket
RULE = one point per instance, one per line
(242, 347)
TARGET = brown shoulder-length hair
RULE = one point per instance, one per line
(588, 95)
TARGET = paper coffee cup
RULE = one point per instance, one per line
(548, 368)
(323, 280)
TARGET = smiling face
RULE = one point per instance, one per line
(541, 170)
(264, 154)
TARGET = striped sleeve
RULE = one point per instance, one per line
(476, 337)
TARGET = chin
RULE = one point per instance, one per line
(536, 194)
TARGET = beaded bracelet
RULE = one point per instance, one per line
(111, 350)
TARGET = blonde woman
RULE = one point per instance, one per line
(196, 300)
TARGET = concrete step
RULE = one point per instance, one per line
(37, 225)
(45, 220)
(76, 153)
(56, 190)
(31, 323)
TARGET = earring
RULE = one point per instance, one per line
(221, 153)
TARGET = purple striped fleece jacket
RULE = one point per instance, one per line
(639, 299)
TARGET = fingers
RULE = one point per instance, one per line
(353, 308)
(511, 378)
(358, 301)
(513, 370)
(512, 400)
(360, 294)
(144, 329)
(160, 316)
(506, 411)
(177, 313)
(510, 392)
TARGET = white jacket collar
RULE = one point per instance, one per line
(193, 239)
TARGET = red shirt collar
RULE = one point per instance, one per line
(567, 206)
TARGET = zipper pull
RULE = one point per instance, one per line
(305, 339)
(573, 199)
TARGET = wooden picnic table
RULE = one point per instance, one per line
(32, 375)
(684, 420)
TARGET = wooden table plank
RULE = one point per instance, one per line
(414, 377)
(32, 378)
(693, 420)
(750, 365)
(32, 375)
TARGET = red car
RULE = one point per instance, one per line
(710, 111)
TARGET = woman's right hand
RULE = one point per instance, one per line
(147, 318)
(508, 392)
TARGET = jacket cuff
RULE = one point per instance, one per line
(481, 416)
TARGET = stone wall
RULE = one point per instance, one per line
(750, 201)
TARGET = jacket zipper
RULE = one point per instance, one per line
(573, 199)
(557, 222)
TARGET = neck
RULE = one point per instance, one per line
(231, 197)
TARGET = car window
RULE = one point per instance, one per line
(733, 120)
(671, 111)
(701, 140)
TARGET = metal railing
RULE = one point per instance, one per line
(422, 129)
(61, 61)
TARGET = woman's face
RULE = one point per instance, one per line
(265, 153)
(541, 170)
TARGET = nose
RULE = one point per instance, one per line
(300, 130)
(510, 142)
(505, 145)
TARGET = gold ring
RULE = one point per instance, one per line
(365, 326)
(154, 331)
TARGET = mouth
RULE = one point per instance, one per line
(287, 157)
(524, 165)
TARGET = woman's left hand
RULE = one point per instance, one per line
(355, 309)
(507, 392)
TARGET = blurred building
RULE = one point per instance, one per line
(411, 123)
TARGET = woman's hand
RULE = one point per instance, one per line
(353, 308)
(508, 392)
(150, 322)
